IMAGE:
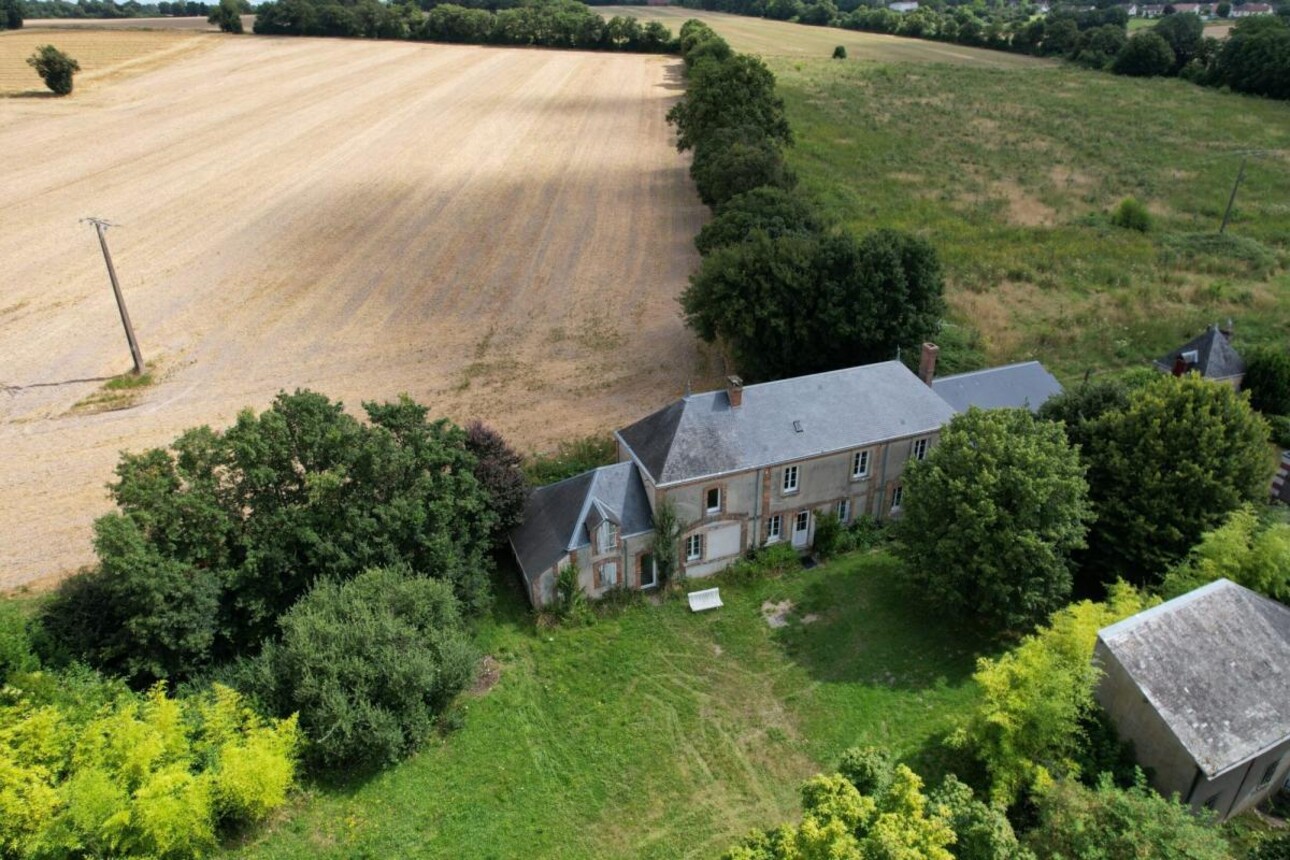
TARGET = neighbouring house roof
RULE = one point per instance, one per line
(559, 518)
(1026, 385)
(790, 419)
(1210, 354)
(1215, 664)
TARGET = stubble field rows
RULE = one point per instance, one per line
(498, 233)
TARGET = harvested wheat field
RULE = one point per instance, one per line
(499, 233)
(104, 56)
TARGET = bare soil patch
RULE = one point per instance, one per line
(776, 614)
(364, 219)
(490, 672)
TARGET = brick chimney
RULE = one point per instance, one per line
(927, 363)
(735, 391)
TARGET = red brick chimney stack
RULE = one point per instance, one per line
(735, 391)
(927, 363)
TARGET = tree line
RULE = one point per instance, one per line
(108, 9)
(539, 23)
(1254, 59)
(784, 292)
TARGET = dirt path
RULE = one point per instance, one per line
(499, 233)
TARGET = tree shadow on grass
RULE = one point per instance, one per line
(868, 625)
(30, 94)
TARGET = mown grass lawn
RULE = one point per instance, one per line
(1011, 173)
(654, 732)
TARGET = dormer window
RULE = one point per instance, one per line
(607, 537)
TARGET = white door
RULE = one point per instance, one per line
(801, 527)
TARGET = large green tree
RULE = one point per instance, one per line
(1145, 55)
(773, 211)
(1267, 379)
(1167, 462)
(55, 68)
(1184, 32)
(1245, 549)
(793, 305)
(736, 161)
(736, 92)
(218, 536)
(991, 516)
(227, 15)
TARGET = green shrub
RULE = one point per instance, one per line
(1132, 215)
(125, 775)
(840, 52)
(766, 562)
(869, 769)
(829, 535)
(16, 653)
(368, 664)
(55, 68)
(1280, 425)
(1267, 379)
(1275, 847)
(571, 457)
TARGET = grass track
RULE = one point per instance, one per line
(656, 733)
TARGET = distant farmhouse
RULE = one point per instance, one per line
(1201, 686)
(903, 6)
(1245, 10)
(750, 466)
(1211, 355)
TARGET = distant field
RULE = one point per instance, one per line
(197, 23)
(782, 39)
(657, 734)
(103, 56)
(1010, 173)
(500, 233)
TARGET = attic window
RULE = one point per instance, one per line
(608, 537)
(797, 426)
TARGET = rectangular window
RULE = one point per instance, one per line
(790, 479)
(713, 501)
(608, 574)
(1269, 773)
(694, 548)
(608, 536)
(897, 495)
(860, 464)
(920, 449)
(775, 528)
(844, 510)
(649, 575)
(803, 521)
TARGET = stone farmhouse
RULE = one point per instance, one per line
(745, 467)
(1201, 686)
(1210, 354)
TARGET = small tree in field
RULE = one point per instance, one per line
(840, 52)
(55, 68)
(228, 15)
(992, 515)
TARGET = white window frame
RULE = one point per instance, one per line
(844, 511)
(919, 449)
(709, 508)
(617, 567)
(897, 498)
(694, 548)
(798, 517)
(860, 464)
(788, 487)
(607, 540)
(775, 528)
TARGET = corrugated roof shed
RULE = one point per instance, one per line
(1022, 386)
(790, 419)
(557, 516)
(1214, 356)
(1215, 664)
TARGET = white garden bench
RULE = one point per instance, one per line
(709, 598)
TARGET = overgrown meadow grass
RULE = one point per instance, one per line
(656, 732)
(1012, 175)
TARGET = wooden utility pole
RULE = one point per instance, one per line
(100, 227)
(1228, 212)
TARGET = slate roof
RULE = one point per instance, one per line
(1215, 664)
(701, 435)
(1025, 385)
(557, 517)
(1216, 358)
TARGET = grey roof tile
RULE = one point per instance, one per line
(1022, 386)
(557, 516)
(701, 435)
(1215, 664)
